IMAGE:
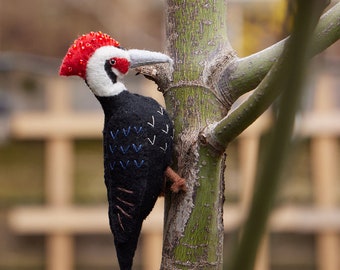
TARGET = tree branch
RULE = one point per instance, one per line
(244, 74)
(292, 69)
(223, 132)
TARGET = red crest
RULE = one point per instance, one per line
(75, 61)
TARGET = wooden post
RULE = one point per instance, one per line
(59, 178)
(325, 162)
(152, 250)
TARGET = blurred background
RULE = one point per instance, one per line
(52, 196)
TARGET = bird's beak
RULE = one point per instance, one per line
(142, 57)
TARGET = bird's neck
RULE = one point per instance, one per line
(107, 90)
(112, 104)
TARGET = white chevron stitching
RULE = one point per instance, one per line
(165, 147)
(153, 122)
(161, 112)
(167, 129)
(152, 141)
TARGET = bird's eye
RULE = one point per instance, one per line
(112, 61)
(118, 64)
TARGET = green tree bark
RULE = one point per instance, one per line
(193, 222)
(207, 79)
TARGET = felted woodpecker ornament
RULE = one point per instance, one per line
(137, 135)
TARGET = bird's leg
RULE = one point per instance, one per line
(178, 183)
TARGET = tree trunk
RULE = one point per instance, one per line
(193, 229)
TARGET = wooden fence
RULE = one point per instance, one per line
(60, 221)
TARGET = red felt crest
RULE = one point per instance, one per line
(75, 61)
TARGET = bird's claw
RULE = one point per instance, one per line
(178, 183)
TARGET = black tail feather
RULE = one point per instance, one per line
(126, 251)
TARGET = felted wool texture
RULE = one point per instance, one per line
(102, 77)
(74, 63)
(138, 135)
(144, 57)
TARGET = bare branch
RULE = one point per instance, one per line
(328, 31)
(244, 74)
(292, 67)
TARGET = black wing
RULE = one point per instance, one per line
(137, 149)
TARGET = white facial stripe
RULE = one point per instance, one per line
(97, 78)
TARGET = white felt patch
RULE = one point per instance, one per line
(96, 76)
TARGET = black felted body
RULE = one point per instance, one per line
(138, 136)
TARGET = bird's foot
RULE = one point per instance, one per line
(178, 183)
